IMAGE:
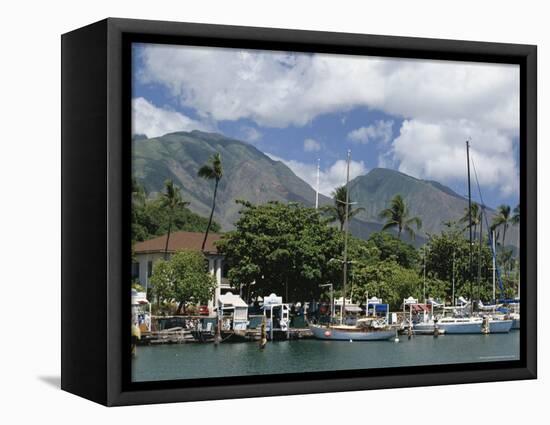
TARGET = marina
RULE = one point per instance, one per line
(262, 314)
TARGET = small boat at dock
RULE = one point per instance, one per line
(365, 330)
(461, 325)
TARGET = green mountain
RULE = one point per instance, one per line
(248, 173)
(251, 175)
(433, 202)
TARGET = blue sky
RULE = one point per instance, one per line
(410, 115)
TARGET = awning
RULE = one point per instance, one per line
(353, 309)
(229, 300)
(417, 308)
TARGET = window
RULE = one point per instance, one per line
(135, 270)
(149, 268)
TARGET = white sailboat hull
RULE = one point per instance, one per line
(500, 326)
(427, 328)
(350, 333)
(469, 327)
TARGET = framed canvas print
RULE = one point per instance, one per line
(252, 212)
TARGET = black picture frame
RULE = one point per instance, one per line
(96, 175)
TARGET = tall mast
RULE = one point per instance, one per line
(346, 226)
(479, 251)
(453, 300)
(470, 223)
(494, 270)
(317, 185)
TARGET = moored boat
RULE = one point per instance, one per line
(365, 329)
(352, 333)
(515, 320)
(461, 325)
(500, 325)
(429, 327)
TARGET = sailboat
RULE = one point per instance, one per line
(494, 321)
(365, 329)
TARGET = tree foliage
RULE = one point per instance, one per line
(213, 170)
(337, 212)
(183, 278)
(397, 216)
(391, 248)
(502, 220)
(387, 280)
(150, 217)
(282, 248)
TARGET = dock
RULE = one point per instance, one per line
(180, 335)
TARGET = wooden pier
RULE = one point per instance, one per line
(179, 335)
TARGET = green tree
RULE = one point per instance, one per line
(476, 217)
(387, 280)
(515, 216)
(139, 200)
(213, 170)
(449, 256)
(281, 248)
(183, 278)
(337, 212)
(397, 216)
(391, 248)
(162, 281)
(153, 219)
(171, 200)
(502, 219)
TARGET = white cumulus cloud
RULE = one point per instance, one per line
(380, 131)
(279, 89)
(250, 134)
(441, 102)
(437, 151)
(329, 178)
(311, 145)
(153, 121)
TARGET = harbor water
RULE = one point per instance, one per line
(189, 361)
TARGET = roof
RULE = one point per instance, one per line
(179, 241)
(230, 300)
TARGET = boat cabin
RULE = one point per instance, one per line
(352, 313)
(233, 312)
(376, 308)
(277, 317)
(417, 312)
(141, 311)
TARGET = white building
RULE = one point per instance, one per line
(147, 252)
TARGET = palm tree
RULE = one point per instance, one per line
(397, 215)
(476, 217)
(502, 218)
(515, 217)
(212, 170)
(171, 200)
(139, 196)
(337, 212)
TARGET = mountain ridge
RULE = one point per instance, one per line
(250, 174)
